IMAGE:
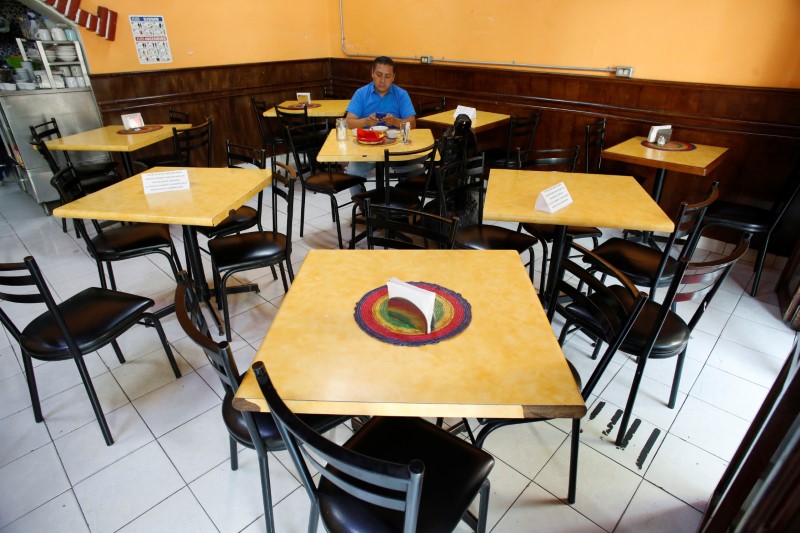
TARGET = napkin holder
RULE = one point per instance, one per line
(133, 121)
(304, 98)
(471, 112)
(411, 305)
(660, 135)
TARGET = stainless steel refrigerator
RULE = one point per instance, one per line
(74, 109)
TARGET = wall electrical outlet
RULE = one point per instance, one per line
(426, 59)
(624, 72)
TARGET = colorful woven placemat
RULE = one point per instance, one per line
(452, 314)
(301, 106)
(671, 146)
(143, 129)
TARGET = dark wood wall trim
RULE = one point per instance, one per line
(761, 126)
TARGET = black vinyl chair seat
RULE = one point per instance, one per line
(397, 198)
(94, 317)
(454, 473)
(332, 182)
(637, 261)
(487, 237)
(548, 231)
(245, 249)
(134, 239)
(672, 338)
(241, 219)
(743, 217)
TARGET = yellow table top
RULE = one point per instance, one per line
(334, 151)
(484, 120)
(213, 194)
(327, 108)
(106, 139)
(507, 363)
(700, 161)
(598, 200)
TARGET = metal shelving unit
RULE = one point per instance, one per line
(48, 66)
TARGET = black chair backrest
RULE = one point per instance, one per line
(593, 145)
(458, 143)
(407, 229)
(191, 319)
(240, 156)
(521, 133)
(389, 485)
(430, 106)
(406, 165)
(305, 142)
(69, 188)
(455, 181)
(615, 313)
(551, 159)
(271, 134)
(29, 287)
(283, 176)
(289, 117)
(179, 117)
(45, 132)
(196, 138)
(788, 194)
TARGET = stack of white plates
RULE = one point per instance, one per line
(51, 54)
(66, 52)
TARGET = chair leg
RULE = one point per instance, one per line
(353, 228)
(564, 332)
(290, 270)
(676, 380)
(483, 506)
(118, 351)
(234, 454)
(274, 272)
(32, 390)
(111, 276)
(543, 282)
(335, 211)
(266, 495)
(302, 209)
(626, 415)
(762, 254)
(164, 342)
(283, 277)
(225, 313)
(102, 273)
(573, 460)
(98, 410)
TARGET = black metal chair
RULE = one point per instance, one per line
(416, 165)
(651, 267)
(562, 160)
(256, 249)
(272, 136)
(482, 236)
(256, 431)
(658, 332)
(78, 326)
(521, 134)
(304, 144)
(394, 474)
(196, 139)
(756, 220)
(118, 243)
(244, 217)
(429, 106)
(407, 229)
(178, 117)
(593, 145)
(615, 319)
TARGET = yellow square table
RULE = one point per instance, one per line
(506, 364)
(484, 120)
(213, 194)
(109, 139)
(598, 200)
(319, 108)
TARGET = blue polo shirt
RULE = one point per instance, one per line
(366, 101)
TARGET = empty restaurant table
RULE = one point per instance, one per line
(601, 200)
(325, 358)
(484, 120)
(212, 194)
(116, 139)
(317, 108)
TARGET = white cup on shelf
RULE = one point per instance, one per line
(43, 34)
(71, 81)
(58, 34)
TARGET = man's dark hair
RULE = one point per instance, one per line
(383, 60)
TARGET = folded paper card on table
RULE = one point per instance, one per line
(410, 304)
(304, 98)
(660, 135)
(132, 121)
(471, 112)
(171, 180)
(553, 198)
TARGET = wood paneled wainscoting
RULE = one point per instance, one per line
(760, 126)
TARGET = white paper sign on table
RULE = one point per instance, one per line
(471, 112)
(659, 131)
(553, 198)
(304, 98)
(423, 300)
(171, 180)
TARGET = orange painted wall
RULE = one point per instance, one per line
(732, 42)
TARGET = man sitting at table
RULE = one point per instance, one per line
(379, 98)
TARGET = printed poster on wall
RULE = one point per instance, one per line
(150, 36)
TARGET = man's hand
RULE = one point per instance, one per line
(370, 121)
(391, 120)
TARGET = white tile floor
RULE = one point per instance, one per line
(169, 470)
